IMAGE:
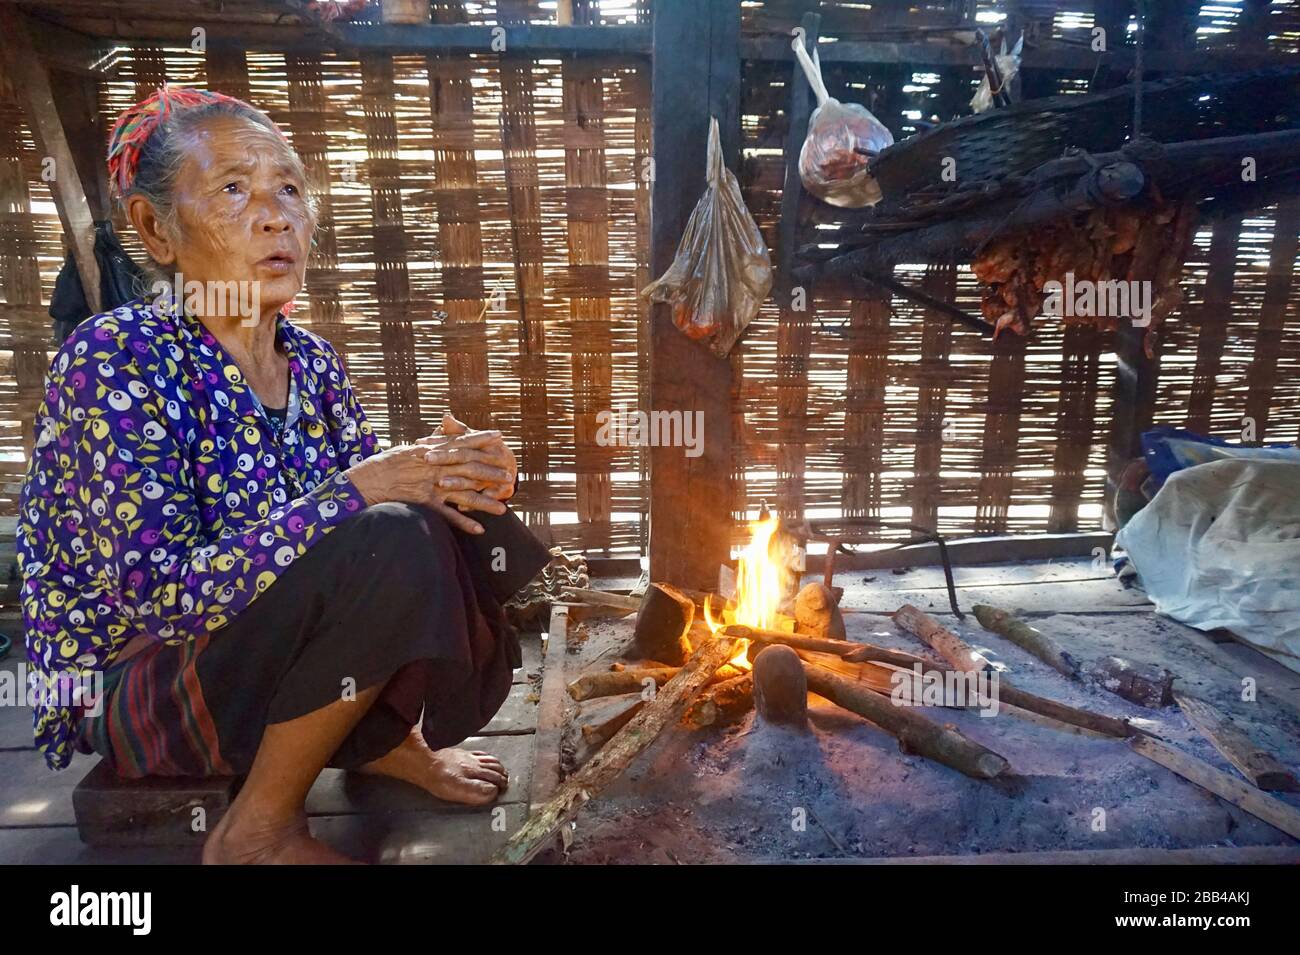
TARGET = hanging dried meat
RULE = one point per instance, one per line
(1112, 264)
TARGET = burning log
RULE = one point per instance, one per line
(722, 703)
(799, 641)
(1027, 638)
(817, 612)
(606, 766)
(663, 625)
(781, 686)
(631, 680)
(601, 733)
(949, 646)
(914, 732)
(870, 674)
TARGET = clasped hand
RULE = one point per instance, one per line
(452, 471)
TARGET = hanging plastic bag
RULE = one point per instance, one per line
(842, 139)
(722, 271)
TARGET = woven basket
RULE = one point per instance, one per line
(405, 11)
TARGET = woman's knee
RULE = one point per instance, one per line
(411, 537)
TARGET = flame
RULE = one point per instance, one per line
(760, 577)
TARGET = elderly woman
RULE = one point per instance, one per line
(209, 530)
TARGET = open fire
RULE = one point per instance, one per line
(763, 584)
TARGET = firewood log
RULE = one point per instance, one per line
(612, 683)
(663, 625)
(866, 652)
(915, 732)
(722, 703)
(616, 755)
(950, 646)
(601, 598)
(601, 733)
(1061, 712)
(631, 680)
(874, 675)
(780, 686)
(1146, 686)
(1152, 687)
(799, 641)
(1027, 638)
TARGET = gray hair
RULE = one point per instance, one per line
(164, 152)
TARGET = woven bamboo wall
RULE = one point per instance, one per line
(454, 182)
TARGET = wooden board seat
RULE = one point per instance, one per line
(155, 811)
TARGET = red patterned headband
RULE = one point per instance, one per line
(137, 123)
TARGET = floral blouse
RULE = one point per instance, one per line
(159, 500)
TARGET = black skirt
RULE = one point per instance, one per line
(392, 597)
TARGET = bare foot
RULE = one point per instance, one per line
(473, 778)
(237, 840)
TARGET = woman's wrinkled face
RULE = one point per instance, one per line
(242, 212)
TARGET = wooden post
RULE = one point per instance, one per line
(1134, 392)
(690, 497)
(795, 327)
(31, 80)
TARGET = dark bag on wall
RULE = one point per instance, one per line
(119, 283)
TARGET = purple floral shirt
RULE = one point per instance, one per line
(160, 501)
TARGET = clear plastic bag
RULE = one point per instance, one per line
(722, 271)
(842, 139)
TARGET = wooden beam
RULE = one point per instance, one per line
(799, 111)
(1133, 408)
(530, 40)
(1212, 320)
(795, 326)
(1212, 855)
(1044, 54)
(550, 709)
(690, 497)
(972, 550)
(31, 80)
(66, 49)
(517, 39)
